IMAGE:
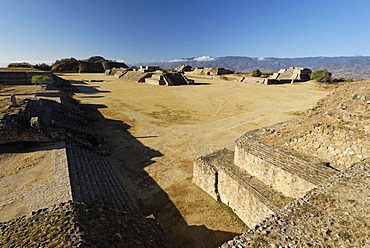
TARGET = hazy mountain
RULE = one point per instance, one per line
(346, 67)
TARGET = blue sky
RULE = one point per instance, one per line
(154, 30)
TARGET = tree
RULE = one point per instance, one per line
(322, 76)
(42, 67)
(41, 79)
(256, 73)
(20, 65)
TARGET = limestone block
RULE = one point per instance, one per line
(205, 176)
(290, 175)
(242, 200)
(279, 179)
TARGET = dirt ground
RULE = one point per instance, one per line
(154, 133)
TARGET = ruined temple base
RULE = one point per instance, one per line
(247, 196)
(257, 179)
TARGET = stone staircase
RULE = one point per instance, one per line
(257, 180)
(288, 173)
(93, 180)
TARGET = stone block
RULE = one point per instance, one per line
(205, 176)
(292, 176)
(247, 196)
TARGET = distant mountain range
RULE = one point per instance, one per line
(342, 67)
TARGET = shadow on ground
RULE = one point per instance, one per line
(199, 83)
(25, 147)
(89, 89)
(74, 82)
(129, 158)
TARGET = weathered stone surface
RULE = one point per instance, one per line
(335, 214)
(75, 224)
(211, 71)
(336, 135)
(285, 172)
(292, 74)
(247, 196)
(169, 79)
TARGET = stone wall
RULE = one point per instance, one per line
(11, 78)
(285, 172)
(293, 74)
(336, 214)
(342, 147)
(211, 71)
(247, 196)
(258, 179)
(205, 176)
(336, 130)
(156, 79)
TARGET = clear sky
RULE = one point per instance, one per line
(155, 30)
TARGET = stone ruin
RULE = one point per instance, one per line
(168, 78)
(44, 120)
(290, 75)
(183, 68)
(336, 214)
(147, 68)
(283, 76)
(256, 180)
(17, 77)
(264, 179)
(94, 202)
(211, 71)
(151, 75)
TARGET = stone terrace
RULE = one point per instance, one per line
(336, 130)
(335, 214)
(284, 171)
(256, 180)
(250, 198)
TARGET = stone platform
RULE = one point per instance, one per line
(248, 197)
(257, 180)
(288, 173)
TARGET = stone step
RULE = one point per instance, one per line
(248, 197)
(288, 173)
(93, 180)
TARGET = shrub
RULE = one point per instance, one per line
(322, 76)
(256, 73)
(41, 79)
(20, 65)
(42, 67)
